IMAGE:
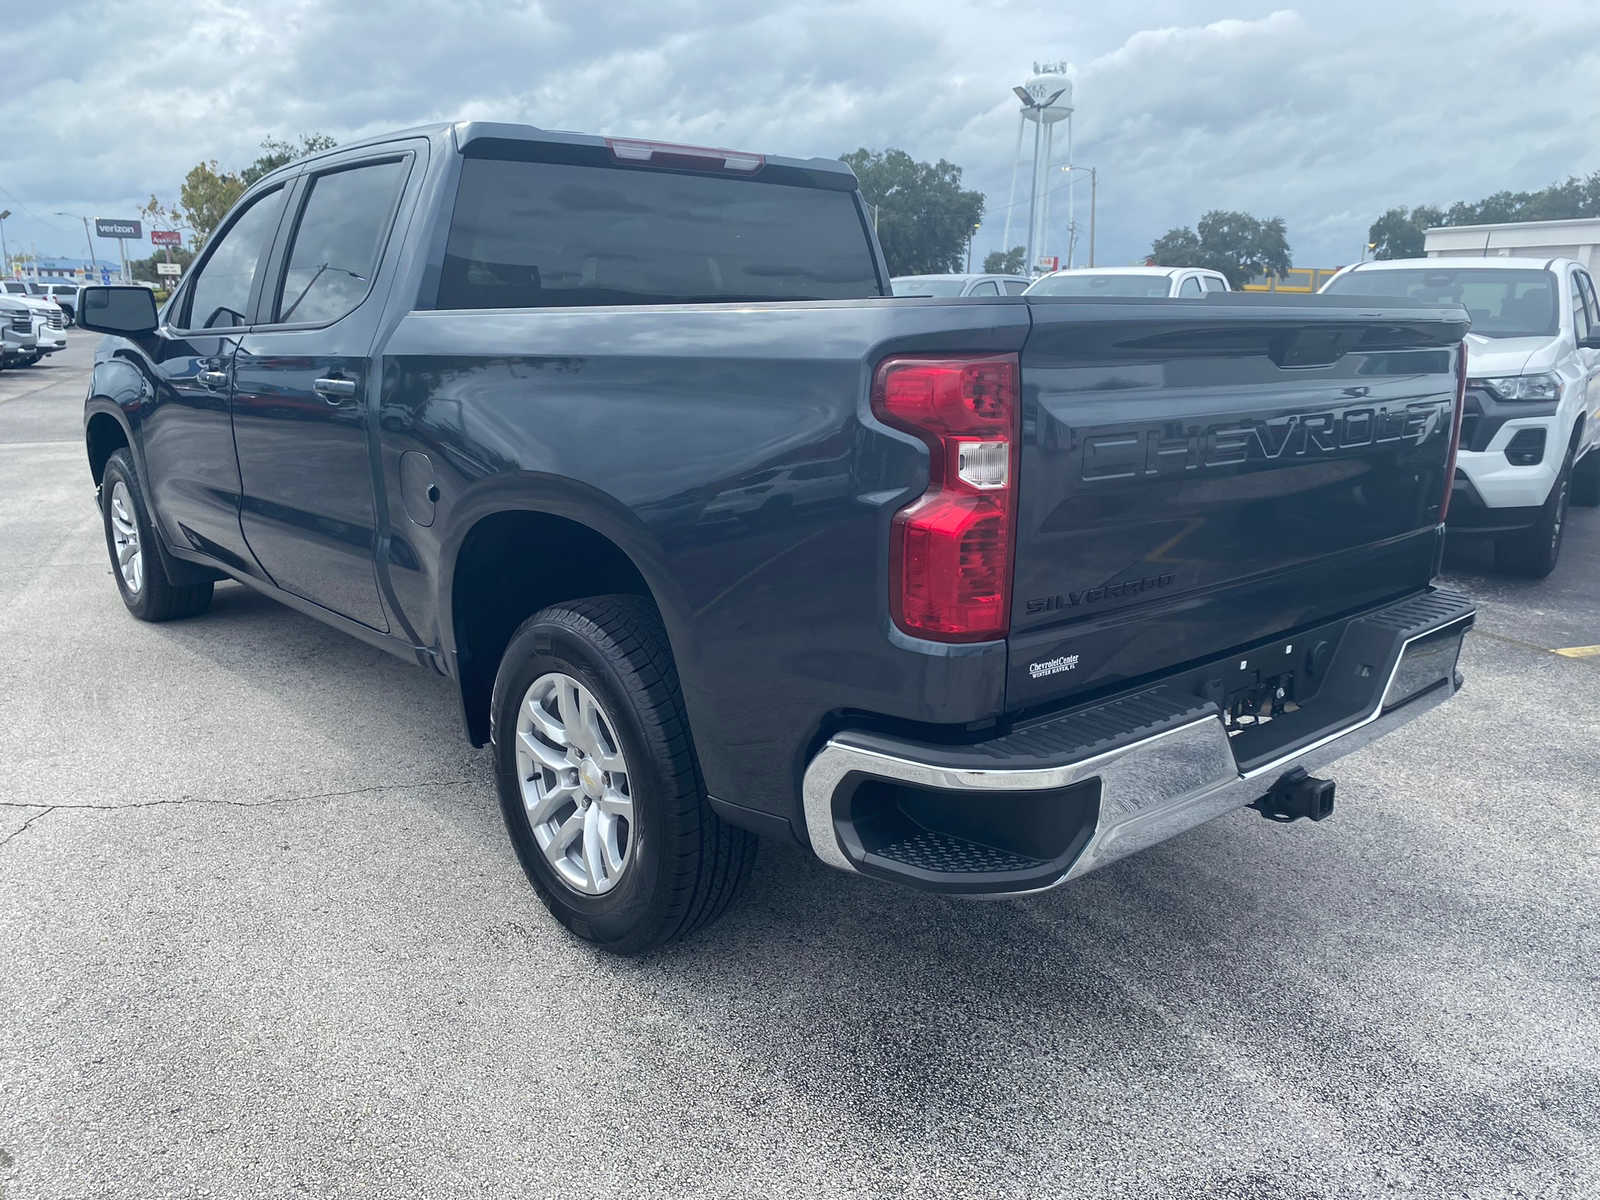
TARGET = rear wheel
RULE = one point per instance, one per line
(1586, 480)
(598, 782)
(1534, 552)
(135, 563)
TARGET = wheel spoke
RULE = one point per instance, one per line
(567, 706)
(615, 804)
(126, 550)
(594, 860)
(550, 801)
(549, 726)
(610, 843)
(555, 759)
(564, 836)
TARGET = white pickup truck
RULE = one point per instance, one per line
(49, 321)
(1530, 432)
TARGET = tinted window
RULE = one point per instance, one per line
(986, 288)
(337, 243)
(1015, 287)
(16, 287)
(1503, 302)
(1101, 285)
(220, 296)
(927, 285)
(528, 235)
(1212, 284)
(1580, 314)
(1191, 287)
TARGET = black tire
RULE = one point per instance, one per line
(686, 865)
(156, 598)
(1586, 480)
(1534, 552)
(32, 360)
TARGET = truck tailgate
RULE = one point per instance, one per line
(1199, 476)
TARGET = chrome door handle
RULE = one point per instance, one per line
(333, 390)
(212, 379)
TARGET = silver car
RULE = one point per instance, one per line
(958, 285)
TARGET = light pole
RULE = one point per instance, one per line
(1038, 106)
(970, 236)
(5, 256)
(93, 261)
(1094, 189)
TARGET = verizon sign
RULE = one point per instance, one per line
(107, 227)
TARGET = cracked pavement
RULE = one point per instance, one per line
(261, 934)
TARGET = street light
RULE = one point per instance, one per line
(970, 236)
(93, 261)
(1094, 185)
(5, 256)
(1030, 104)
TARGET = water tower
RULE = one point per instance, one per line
(1046, 101)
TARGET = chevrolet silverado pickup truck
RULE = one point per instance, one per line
(718, 539)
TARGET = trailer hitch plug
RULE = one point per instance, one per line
(1295, 795)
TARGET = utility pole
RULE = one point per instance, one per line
(94, 262)
(1094, 186)
(5, 257)
(970, 236)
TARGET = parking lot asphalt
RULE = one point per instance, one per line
(261, 934)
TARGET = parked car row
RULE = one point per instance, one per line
(1175, 282)
(46, 320)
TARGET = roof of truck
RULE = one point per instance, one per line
(1445, 262)
(468, 132)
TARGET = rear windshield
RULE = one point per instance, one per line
(1501, 301)
(539, 235)
(1101, 285)
(927, 285)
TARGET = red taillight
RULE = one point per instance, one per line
(950, 549)
(667, 154)
(1455, 433)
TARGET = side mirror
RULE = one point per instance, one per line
(125, 311)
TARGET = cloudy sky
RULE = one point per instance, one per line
(1324, 114)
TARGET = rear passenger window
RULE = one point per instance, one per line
(1015, 287)
(986, 288)
(1212, 284)
(1191, 287)
(342, 228)
(542, 234)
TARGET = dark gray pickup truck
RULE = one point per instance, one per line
(719, 539)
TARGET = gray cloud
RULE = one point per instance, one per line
(1324, 115)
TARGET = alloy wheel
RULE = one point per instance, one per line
(575, 785)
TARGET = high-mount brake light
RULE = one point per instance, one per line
(1455, 433)
(667, 154)
(951, 549)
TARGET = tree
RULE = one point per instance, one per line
(275, 154)
(205, 198)
(1238, 245)
(1399, 234)
(1005, 262)
(208, 192)
(924, 218)
(1571, 199)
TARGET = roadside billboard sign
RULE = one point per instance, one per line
(109, 227)
(166, 237)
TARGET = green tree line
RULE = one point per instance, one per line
(1399, 232)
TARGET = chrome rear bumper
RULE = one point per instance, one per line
(1149, 788)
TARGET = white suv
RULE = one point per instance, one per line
(1529, 441)
(49, 322)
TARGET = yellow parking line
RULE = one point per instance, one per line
(1580, 652)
